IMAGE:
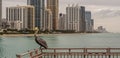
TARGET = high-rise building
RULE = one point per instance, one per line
(53, 5)
(48, 20)
(21, 17)
(75, 18)
(101, 29)
(92, 24)
(82, 19)
(88, 21)
(0, 12)
(62, 18)
(72, 14)
(39, 12)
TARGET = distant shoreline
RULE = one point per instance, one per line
(7, 35)
(33, 34)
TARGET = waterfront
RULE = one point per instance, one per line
(9, 46)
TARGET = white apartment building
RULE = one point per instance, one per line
(21, 17)
(48, 22)
(75, 18)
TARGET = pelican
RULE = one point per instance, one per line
(40, 41)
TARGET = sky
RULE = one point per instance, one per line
(105, 13)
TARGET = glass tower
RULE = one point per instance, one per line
(39, 12)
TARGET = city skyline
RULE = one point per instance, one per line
(104, 13)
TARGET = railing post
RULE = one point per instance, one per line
(31, 54)
(85, 51)
(54, 53)
(108, 52)
(18, 56)
(69, 51)
(36, 51)
(41, 50)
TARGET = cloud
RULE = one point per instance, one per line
(92, 2)
(107, 17)
(9, 3)
(15, 1)
(101, 2)
(107, 13)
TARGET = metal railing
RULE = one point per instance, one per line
(72, 53)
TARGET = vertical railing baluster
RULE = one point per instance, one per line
(36, 51)
(116, 55)
(67, 55)
(85, 51)
(94, 55)
(113, 55)
(69, 51)
(87, 55)
(60, 55)
(48, 55)
(102, 55)
(54, 53)
(64, 55)
(106, 56)
(31, 54)
(91, 55)
(70, 55)
(74, 55)
(98, 55)
(51, 55)
(109, 56)
(77, 55)
(108, 52)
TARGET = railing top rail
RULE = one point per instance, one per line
(81, 48)
(108, 50)
(28, 52)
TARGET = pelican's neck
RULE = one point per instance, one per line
(35, 36)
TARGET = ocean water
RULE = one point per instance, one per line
(10, 46)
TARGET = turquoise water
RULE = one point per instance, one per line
(10, 46)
